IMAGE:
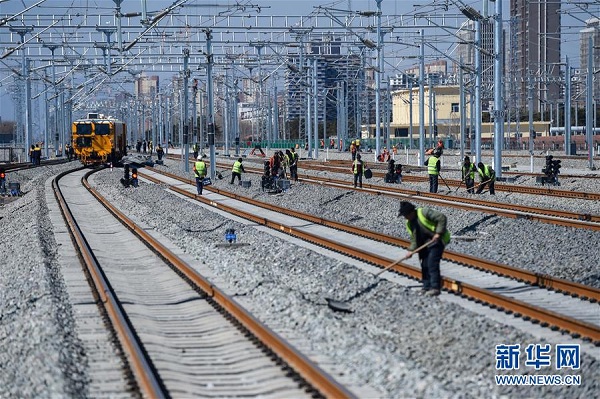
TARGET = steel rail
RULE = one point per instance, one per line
(574, 326)
(553, 212)
(383, 167)
(145, 376)
(513, 211)
(13, 167)
(536, 279)
(311, 372)
(497, 186)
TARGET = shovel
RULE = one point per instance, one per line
(447, 186)
(481, 184)
(461, 182)
(344, 306)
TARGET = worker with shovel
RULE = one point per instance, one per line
(487, 175)
(468, 174)
(433, 169)
(423, 225)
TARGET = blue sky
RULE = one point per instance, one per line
(570, 39)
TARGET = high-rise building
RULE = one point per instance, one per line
(146, 86)
(466, 51)
(145, 90)
(592, 30)
(535, 43)
(333, 69)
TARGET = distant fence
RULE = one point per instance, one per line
(12, 154)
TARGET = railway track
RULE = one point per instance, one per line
(413, 168)
(514, 211)
(13, 167)
(181, 334)
(543, 299)
(511, 188)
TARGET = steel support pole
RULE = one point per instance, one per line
(530, 106)
(431, 110)
(211, 106)
(568, 108)
(118, 15)
(477, 115)
(589, 113)
(378, 73)
(168, 123)
(498, 90)
(410, 116)
(185, 146)
(338, 108)
(315, 111)
(307, 103)
(227, 115)
(462, 110)
(195, 113)
(201, 125)
(161, 121)
(28, 124)
(325, 141)
(46, 119)
(422, 99)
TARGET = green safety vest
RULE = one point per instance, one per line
(237, 167)
(485, 174)
(431, 165)
(423, 221)
(469, 171)
(200, 168)
(355, 167)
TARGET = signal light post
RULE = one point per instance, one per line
(134, 177)
(551, 170)
(129, 181)
(2, 181)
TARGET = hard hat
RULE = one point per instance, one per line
(200, 157)
(405, 208)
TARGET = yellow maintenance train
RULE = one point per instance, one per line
(98, 139)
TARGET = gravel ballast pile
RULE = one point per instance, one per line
(409, 345)
(41, 355)
(397, 342)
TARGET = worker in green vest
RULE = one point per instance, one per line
(237, 170)
(200, 173)
(424, 226)
(487, 176)
(433, 169)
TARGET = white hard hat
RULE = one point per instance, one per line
(199, 157)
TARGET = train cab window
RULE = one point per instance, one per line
(102, 129)
(84, 129)
(83, 142)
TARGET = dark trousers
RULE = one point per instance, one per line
(358, 178)
(234, 175)
(482, 186)
(470, 183)
(294, 172)
(430, 265)
(200, 184)
(433, 183)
